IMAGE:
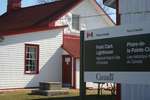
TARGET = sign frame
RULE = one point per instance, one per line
(119, 76)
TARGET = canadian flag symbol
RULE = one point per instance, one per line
(89, 34)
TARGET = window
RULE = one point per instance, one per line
(31, 59)
(75, 22)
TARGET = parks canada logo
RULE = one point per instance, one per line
(89, 34)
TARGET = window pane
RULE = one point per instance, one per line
(32, 50)
(31, 60)
(75, 22)
(32, 56)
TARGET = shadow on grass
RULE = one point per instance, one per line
(93, 97)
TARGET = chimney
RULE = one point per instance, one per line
(13, 5)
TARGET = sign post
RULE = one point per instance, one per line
(82, 83)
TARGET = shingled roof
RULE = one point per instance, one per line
(35, 16)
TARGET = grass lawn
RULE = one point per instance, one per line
(26, 95)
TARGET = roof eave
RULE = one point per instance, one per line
(32, 29)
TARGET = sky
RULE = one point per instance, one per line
(25, 3)
(3, 4)
(110, 11)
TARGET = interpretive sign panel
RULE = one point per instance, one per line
(125, 53)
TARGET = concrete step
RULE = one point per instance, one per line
(50, 85)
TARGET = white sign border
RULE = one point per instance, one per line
(118, 77)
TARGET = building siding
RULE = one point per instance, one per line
(135, 92)
(90, 18)
(134, 11)
(12, 59)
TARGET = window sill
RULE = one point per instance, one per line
(31, 72)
